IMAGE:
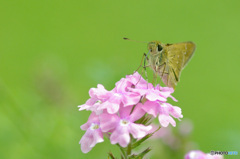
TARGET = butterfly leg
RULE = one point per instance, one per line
(144, 57)
(145, 66)
(142, 73)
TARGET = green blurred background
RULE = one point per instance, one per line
(53, 52)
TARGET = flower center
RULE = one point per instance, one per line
(98, 101)
(124, 122)
(94, 126)
(164, 105)
(133, 86)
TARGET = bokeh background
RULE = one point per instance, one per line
(53, 52)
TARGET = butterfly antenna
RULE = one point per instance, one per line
(135, 40)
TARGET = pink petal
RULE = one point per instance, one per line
(108, 122)
(139, 130)
(88, 105)
(93, 118)
(125, 111)
(154, 96)
(137, 113)
(138, 80)
(93, 107)
(150, 107)
(100, 92)
(173, 98)
(164, 120)
(139, 91)
(121, 136)
(85, 126)
(84, 107)
(91, 101)
(115, 98)
(166, 89)
(112, 108)
(165, 94)
(122, 85)
(90, 139)
(97, 137)
(195, 154)
(131, 99)
(176, 112)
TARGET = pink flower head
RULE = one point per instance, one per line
(123, 125)
(197, 154)
(93, 133)
(115, 112)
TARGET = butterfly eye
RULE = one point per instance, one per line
(160, 48)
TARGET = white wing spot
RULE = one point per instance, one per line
(178, 56)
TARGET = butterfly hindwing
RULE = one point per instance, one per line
(178, 56)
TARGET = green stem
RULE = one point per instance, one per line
(122, 151)
(129, 148)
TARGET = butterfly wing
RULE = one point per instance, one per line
(178, 56)
(168, 75)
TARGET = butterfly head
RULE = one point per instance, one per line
(155, 47)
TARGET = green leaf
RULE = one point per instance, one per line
(111, 155)
(133, 156)
(142, 154)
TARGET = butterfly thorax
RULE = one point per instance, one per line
(158, 55)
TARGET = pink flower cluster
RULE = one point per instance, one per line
(115, 112)
(197, 154)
